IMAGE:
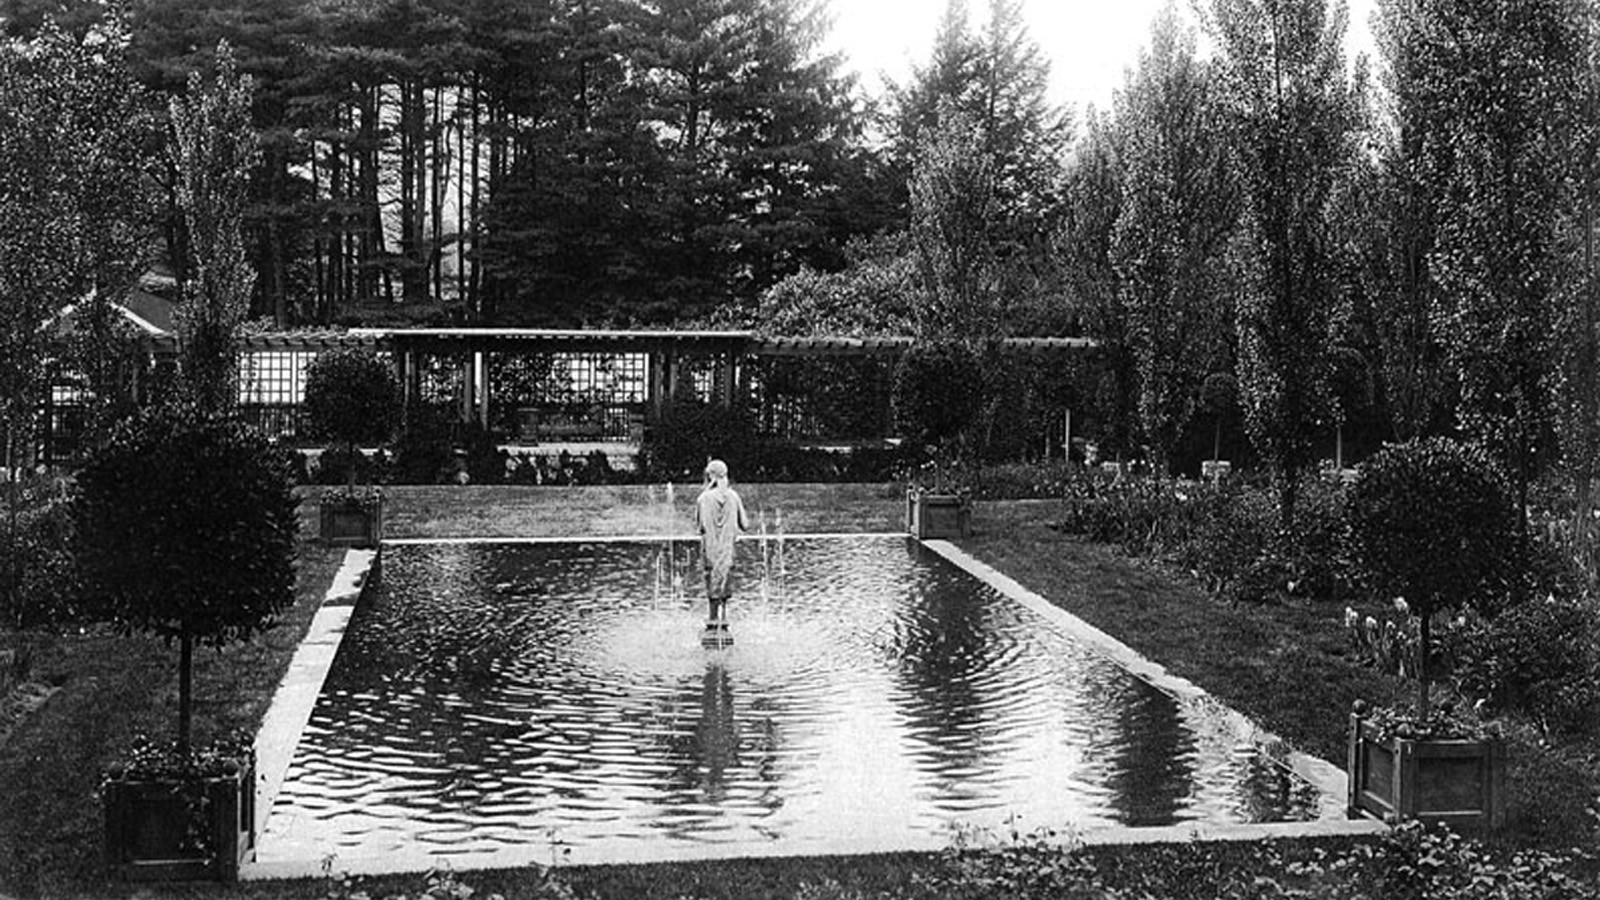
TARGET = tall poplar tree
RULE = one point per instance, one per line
(1577, 375)
(1083, 251)
(213, 151)
(1293, 119)
(1179, 207)
(1495, 95)
(953, 207)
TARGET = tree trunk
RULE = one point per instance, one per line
(370, 243)
(473, 298)
(185, 690)
(1288, 493)
(1424, 642)
(13, 585)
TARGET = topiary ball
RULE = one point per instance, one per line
(351, 397)
(1433, 521)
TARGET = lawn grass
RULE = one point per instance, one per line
(1289, 667)
(1285, 666)
(112, 688)
(621, 510)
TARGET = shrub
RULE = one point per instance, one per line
(1021, 481)
(351, 399)
(425, 452)
(1227, 535)
(1418, 863)
(691, 432)
(1539, 658)
(938, 391)
(185, 528)
(484, 461)
(1432, 521)
(1143, 516)
(1315, 557)
(1236, 527)
(38, 556)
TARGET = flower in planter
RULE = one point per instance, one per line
(178, 806)
(150, 759)
(366, 496)
(944, 472)
(1444, 723)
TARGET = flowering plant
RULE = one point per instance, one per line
(181, 771)
(1442, 724)
(944, 472)
(366, 496)
(156, 760)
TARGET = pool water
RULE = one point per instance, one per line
(532, 695)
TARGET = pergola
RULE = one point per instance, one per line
(717, 365)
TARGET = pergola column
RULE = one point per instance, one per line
(413, 378)
(466, 363)
(655, 382)
(482, 362)
(725, 363)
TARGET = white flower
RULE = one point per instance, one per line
(1351, 617)
(1401, 606)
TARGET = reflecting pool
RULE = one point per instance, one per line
(489, 696)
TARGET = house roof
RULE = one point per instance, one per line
(152, 314)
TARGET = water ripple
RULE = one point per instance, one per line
(496, 695)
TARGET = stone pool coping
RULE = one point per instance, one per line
(292, 705)
(296, 695)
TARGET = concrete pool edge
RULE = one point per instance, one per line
(557, 855)
(296, 696)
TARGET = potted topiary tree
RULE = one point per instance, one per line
(937, 393)
(184, 527)
(351, 400)
(1434, 526)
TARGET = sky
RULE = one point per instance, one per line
(1090, 43)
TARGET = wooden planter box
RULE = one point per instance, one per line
(351, 524)
(937, 515)
(166, 831)
(1461, 783)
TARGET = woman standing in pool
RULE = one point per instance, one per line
(720, 516)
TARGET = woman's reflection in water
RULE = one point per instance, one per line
(716, 734)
